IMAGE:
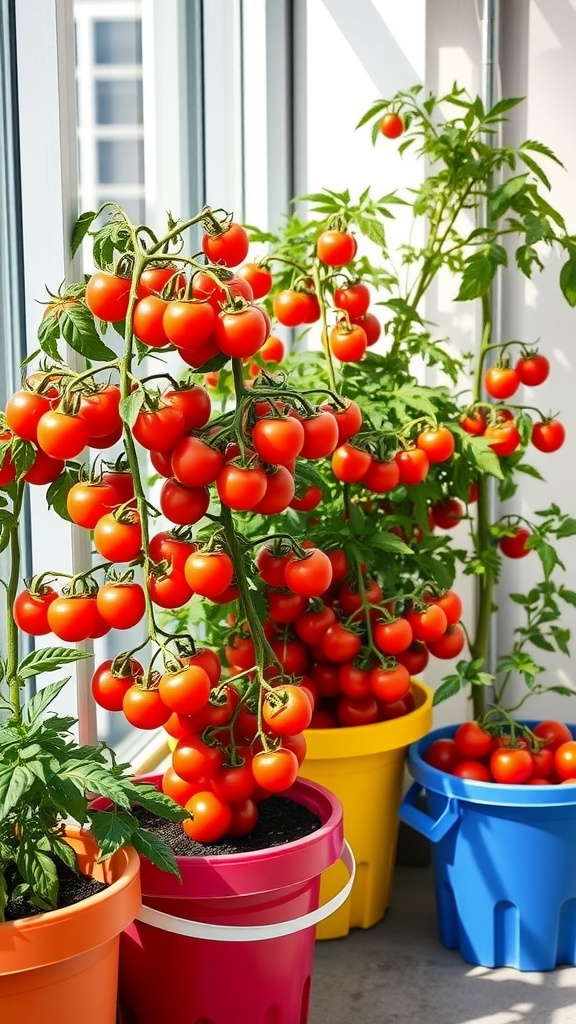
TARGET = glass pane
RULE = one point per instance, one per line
(117, 42)
(119, 101)
(120, 161)
(134, 207)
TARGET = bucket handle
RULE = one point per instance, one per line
(432, 829)
(252, 933)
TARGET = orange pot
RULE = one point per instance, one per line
(69, 958)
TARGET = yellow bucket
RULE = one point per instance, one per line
(364, 767)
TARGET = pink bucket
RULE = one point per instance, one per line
(233, 943)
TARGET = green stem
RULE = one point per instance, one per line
(324, 329)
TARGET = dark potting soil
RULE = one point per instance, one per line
(280, 821)
(72, 889)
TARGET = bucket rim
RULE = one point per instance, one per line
(255, 871)
(471, 791)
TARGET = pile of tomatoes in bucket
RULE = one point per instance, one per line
(540, 755)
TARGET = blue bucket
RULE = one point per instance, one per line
(504, 860)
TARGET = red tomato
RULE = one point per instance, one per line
(159, 430)
(428, 625)
(100, 411)
(350, 464)
(501, 381)
(382, 476)
(504, 437)
(442, 754)
(23, 411)
(348, 344)
(285, 607)
(447, 513)
(438, 443)
(472, 742)
(548, 436)
(511, 765)
(370, 324)
(450, 604)
(107, 296)
(30, 611)
(353, 298)
(73, 618)
(195, 463)
(117, 540)
(307, 501)
(287, 710)
(211, 819)
(393, 636)
(514, 546)
(209, 573)
(291, 307)
(413, 465)
(147, 321)
(194, 403)
(473, 422)
(278, 440)
(121, 605)
(476, 771)
(348, 418)
(340, 644)
(351, 711)
(177, 788)
(336, 248)
(271, 565)
(87, 502)
(240, 333)
(450, 645)
(259, 278)
(169, 590)
(193, 760)
(390, 684)
(275, 770)
(415, 657)
(354, 681)
(311, 625)
(391, 125)
(186, 690)
(183, 506)
(153, 280)
(61, 436)
(553, 733)
(44, 469)
(310, 575)
(320, 435)
(533, 369)
(565, 760)
(241, 487)
(229, 247)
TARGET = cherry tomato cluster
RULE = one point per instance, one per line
(501, 382)
(220, 769)
(543, 755)
(350, 650)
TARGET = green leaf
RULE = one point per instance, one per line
(57, 493)
(48, 334)
(49, 659)
(98, 779)
(567, 528)
(501, 197)
(39, 870)
(151, 847)
(156, 802)
(449, 687)
(20, 782)
(79, 331)
(567, 595)
(568, 279)
(81, 229)
(130, 406)
(390, 542)
(111, 831)
(546, 553)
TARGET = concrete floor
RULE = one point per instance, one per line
(398, 973)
